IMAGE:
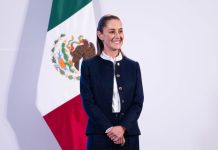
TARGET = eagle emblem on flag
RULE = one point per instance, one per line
(67, 54)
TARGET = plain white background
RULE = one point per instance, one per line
(176, 44)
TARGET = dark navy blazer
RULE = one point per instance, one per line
(96, 88)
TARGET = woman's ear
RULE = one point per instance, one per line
(100, 35)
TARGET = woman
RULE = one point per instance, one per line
(111, 90)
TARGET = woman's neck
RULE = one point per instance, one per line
(112, 53)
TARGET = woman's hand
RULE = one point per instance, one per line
(116, 134)
(120, 141)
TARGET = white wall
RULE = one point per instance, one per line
(23, 29)
(175, 43)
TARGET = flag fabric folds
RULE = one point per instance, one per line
(70, 37)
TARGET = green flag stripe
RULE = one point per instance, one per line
(63, 9)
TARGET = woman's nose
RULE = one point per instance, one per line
(117, 34)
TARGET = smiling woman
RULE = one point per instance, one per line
(110, 35)
(111, 90)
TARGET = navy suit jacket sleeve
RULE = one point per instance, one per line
(132, 114)
(92, 110)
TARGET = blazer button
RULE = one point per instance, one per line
(118, 75)
(122, 101)
(122, 114)
(120, 88)
(118, 64)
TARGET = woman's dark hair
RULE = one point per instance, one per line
(101, 24)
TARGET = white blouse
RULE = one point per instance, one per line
(116, 106)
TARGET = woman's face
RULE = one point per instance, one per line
(112, 35)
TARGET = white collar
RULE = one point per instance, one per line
(107, 57)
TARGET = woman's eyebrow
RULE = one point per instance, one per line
(115, 29)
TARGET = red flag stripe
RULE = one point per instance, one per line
(68, 124)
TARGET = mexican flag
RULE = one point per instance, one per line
(70, 37)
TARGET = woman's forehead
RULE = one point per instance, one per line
(113, 23)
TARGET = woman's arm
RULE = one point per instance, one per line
(92, 110)
(132, 114)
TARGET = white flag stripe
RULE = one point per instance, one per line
(53, 88)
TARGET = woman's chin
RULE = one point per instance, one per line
(115, 48)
